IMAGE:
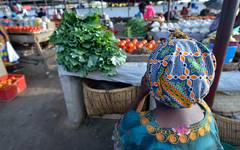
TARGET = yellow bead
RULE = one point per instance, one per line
(160, 137)
(207, 127)
(210, 119)
(172, 138)
(144, 120)
(150, 129)
(142, 113)
(193, 136)
(201, 131)
(183, 138)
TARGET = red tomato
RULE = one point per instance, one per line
(135, 41)
(128, 40)
(122, 44)
(123, 41)
(153, 42)
(130, 45)
(150, 46)
(144, 42)
(140, 45)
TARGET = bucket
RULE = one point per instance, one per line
(231, 50)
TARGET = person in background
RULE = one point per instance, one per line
(205, 12)
(184, 11)
(41, 13)
(189, 6)
(57, 15)
(161, 18)
(149, 13)
(173, 14)
(3, 37)
(181, 120)
(4, 45)
(141, 7)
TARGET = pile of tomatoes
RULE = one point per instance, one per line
(7, 82)
(131, 46)
(22, 28)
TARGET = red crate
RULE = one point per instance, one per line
(10, 92)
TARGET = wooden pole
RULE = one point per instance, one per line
(102, 6)
(169, 9)
(228, 15)
(128, 9)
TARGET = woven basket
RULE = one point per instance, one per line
(229, 129)
(226, 105)
(101, 101)
(231, 67)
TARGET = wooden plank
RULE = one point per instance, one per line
(137, 58)
(29, 38)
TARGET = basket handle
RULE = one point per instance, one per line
(141, 103)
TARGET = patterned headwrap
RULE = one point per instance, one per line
(180, 72)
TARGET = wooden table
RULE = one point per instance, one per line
(32, 38)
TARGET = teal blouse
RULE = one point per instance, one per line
(140, 131)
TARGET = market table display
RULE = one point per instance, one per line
(126, 73)
(31, 37)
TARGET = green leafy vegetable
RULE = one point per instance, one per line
(135, 27)
(84, 45)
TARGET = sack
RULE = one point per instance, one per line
(12, 55)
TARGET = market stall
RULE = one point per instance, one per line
(31, 38)
(127, 73)
(31, 32)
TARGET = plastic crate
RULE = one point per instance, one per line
(231, 50)
(12, 91)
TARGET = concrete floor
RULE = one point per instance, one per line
(36, 120)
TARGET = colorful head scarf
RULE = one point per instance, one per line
(180, 72)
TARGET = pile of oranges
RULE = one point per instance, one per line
(8, 82)
(131, 46)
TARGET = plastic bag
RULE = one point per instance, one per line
(12, 55)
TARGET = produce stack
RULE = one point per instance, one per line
(136, 46)
(84, 45)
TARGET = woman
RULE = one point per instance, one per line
(149, 13)
(3, 40)
(178, 77)
(8, 54)
(184, 11)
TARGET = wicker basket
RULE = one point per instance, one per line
(229, 129)
(231, 67)
(102, 101)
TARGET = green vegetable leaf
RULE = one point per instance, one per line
(84, 45)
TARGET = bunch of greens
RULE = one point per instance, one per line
(135, 27)
(84, 45)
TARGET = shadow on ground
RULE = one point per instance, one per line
(35, 121)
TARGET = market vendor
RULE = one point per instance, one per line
(184, 11)
(178, 82)
(8, 54)
(41, 13)
(3, 40)
(3, 37)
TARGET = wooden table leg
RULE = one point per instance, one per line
(40, 52)
(73, 96)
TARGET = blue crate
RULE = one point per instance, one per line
(230, 53)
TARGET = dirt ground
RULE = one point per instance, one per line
(36, 121)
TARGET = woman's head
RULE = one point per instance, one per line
(180, 72)
(142, 7)
(149, 2)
